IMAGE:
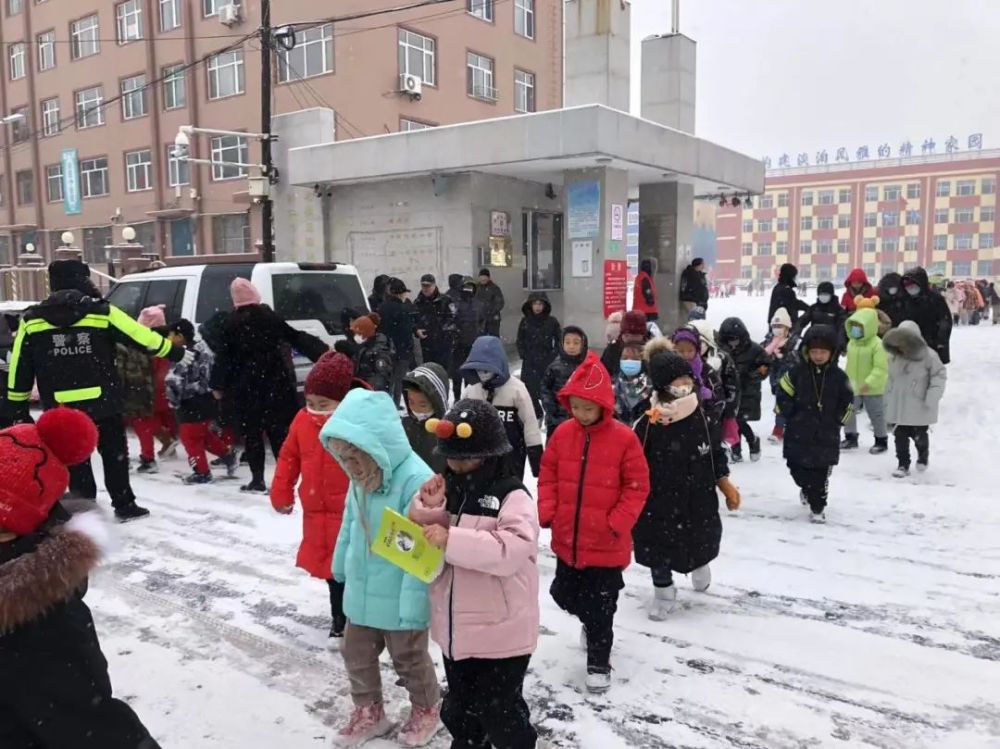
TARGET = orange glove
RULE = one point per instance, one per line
(762, 370)
(731, 492)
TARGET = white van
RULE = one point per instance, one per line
(309, 296)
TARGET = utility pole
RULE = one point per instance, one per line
(266, 204)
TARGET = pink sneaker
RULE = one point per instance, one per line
(367, 722)
(421, 726)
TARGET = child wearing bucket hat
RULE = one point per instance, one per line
(484, 605)
(54, 685)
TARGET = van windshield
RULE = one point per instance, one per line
(317, 296)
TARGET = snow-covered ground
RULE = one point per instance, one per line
(880, 629)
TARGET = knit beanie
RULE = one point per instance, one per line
(184, 328)
(243, 293)
(153, 317)
(331, 377)
(665, 367)
(781, 317)
(366, 326)
(634, 323)
(33, 465)
(471, 429)
(71, 274)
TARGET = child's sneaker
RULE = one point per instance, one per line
(921, 466)
(701, 578)
(338, 627)
(755, 450)
(736, 456)
(819, 518)
(598, 680)
(850, 442)
(881, 445)
(421, 726)
(777, 435)
(198, 478)
(169, 450)
(231, 462)
(902, 472)
(803, 498)
(367, 722)
(147, 466)
(664, 601)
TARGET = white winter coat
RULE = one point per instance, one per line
(916, 378)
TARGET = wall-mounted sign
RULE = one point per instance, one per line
(71, 182)
(583, 201)
(583, 258)
(617, 222)
(615, 286)
(499, 224)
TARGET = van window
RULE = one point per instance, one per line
(317, 296)
(169, 293)
(128, 297)
(213, 294)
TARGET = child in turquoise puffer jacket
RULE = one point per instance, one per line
(385, 607)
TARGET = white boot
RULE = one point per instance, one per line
(598, 682)
(701, 578)
(664, 601)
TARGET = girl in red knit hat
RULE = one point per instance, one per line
(54, 687)
(324, 484)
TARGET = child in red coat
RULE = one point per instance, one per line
(593, 484)
(324, 483)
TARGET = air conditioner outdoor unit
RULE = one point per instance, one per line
(229, 15)
(411, 84)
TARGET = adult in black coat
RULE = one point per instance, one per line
(892, 298)
(828, 311)
(470, 322)
(694, 286)
(783, 294)
(558, 373)
(491, 297)
(435, 322)
(399, 321)
(752, 367)
(539, 337)
(377, 296)
(928, 309)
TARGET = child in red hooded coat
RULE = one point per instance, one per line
(593, 484)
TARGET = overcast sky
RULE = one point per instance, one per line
(784, 76)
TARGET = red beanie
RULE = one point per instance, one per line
(634, 323)
(331, 376)
(33, 460)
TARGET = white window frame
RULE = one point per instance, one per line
(46, 44)
(139, 170)
(210, 8)
(14, 7)
(90, 167)
(871, 193)
(937, 215)
(821, 220)
(481, 9)
(782, 200)
(480, 76)
(943, 189)
(85, 37)
(18, 56)
(782, 223)
(764, 248)
(524, 88)
(807, 197)
(524, 18)
(892, 192)
(413, 43)
(170, 15)
(869, 244)
(989, 186)
(965, 187)
(133, 90)
(764, 226)
(806, 247)
(51, 117)
(128, 21)
(824, 247)
(174, 78)
(781, 248)
(965, 215)
(943, 243)
(222, 151)
(244, 238)
(747, 225)
(806, 223)
(870, 219)
(293, 65)
(913, 190)
(178, 170)
(20, 198)
(843, 246)
(963, 241)
(987, 213)
(53, 175)
(86, 106)
(844, 195)
(767, 200)
(844, 221)
(412, 126)
(961, 268)
(746, 249)
(990, 243)
(890, 218)
(915, 241)
(218, 71)
(826, 197)
(913, 217)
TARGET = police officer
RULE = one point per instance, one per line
(67, 344)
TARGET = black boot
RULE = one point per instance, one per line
(881, 445)
(131, 511)
(850, 442)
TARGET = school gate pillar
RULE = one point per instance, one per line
(666, 226)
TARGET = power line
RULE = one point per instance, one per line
(368, 14)
(429, 17)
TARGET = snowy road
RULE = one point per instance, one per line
(880, 629)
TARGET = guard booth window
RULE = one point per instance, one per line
(542, 237)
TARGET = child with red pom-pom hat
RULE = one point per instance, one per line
(54, 685)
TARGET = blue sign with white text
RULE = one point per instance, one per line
(71, 182)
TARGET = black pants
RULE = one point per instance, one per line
(815, 482)
(493, 326)
(336, 599)
(255, 424)
(532, 380)
(459, 355)
(399, 369)
(746, 432)
(921, 438)
(484, 706)
(591, 595)
(113, 449)
(663, 577)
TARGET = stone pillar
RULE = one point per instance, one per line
(666, 226)
(669, 70)
(598, 37)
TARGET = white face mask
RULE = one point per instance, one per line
(484, 375)
(316, 412)
(359, 339)
(893, 290)
(420, 416)
(824, 298)
(681, 391)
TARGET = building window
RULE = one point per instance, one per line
(14, 7)
(767, 201)
(782, 199)
(913, 190)
(844, 196)
(943, 189)
(843, 246)
(50, 117)
(764, 248)
(524, 18)
(480, 9)
(964, 215)
(231, 233)
(233, 149)
(764, 225)
(807, 197)
(892, 192)
(46, 42)
(965, 187)
(170, 14)
(85, 37)
(987, 213)
(479, 83)
(826, 197)
(746, 271)
(940, 241)
(54, 182)
(986, 240)
(961, 269)
(912, 244)
(139, 170)
(871, 193)
(747, 225)
(844, 221)
(890, 245)
(824, 222)
(806, 223)
(134, 97)
(225, 75)
(984, 268)
(781, 248)
(747, 249)
(17, 58)
(25, 186)
(94, 177)
(913, 218)
(989, 185)
(963, 241)
(411, 126)
(20, 129)
(178, 169)
(90, 107)
(805, 248)
(524, 91)
(129, 19)
(871, 219)
(417, 56)
(868, 244)
(940, 215)
(870, 270)
(783, 223)
(890, 218)
(174, 87)
(824, 247)
(311, 56)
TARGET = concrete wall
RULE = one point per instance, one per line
(598, 61)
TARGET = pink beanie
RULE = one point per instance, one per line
(243, 293)
(152, 317)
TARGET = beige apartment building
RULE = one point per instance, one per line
(93, 93)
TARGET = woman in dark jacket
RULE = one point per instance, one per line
(377, 296)
(538, 342)
(892, 298)
(783, 294)
(558, 373)
(928, 309)
(826, 311)
(373, 353)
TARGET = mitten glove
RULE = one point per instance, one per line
(731, 492)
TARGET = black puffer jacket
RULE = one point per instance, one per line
(556, 376)
(894, 305)
(750, 360)
(436, 317)
(469, 319)
(930, 312)
(397, 324)
(783, 295)
(830, 313)
(373, 362)
(539, 338)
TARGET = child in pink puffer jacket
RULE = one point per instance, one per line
(484, 605)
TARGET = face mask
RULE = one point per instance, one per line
(732, 342)
(359, 339)
(631, 367)
(314, 412)
(421, 417)
(855, 332)
(680, 391)
(484, 376)
(893, 290)
(778, 330)
(824, 298)
(913, 290)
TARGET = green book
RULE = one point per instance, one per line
(401, 542)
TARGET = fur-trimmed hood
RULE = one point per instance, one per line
(656, 346)
(906, 341)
